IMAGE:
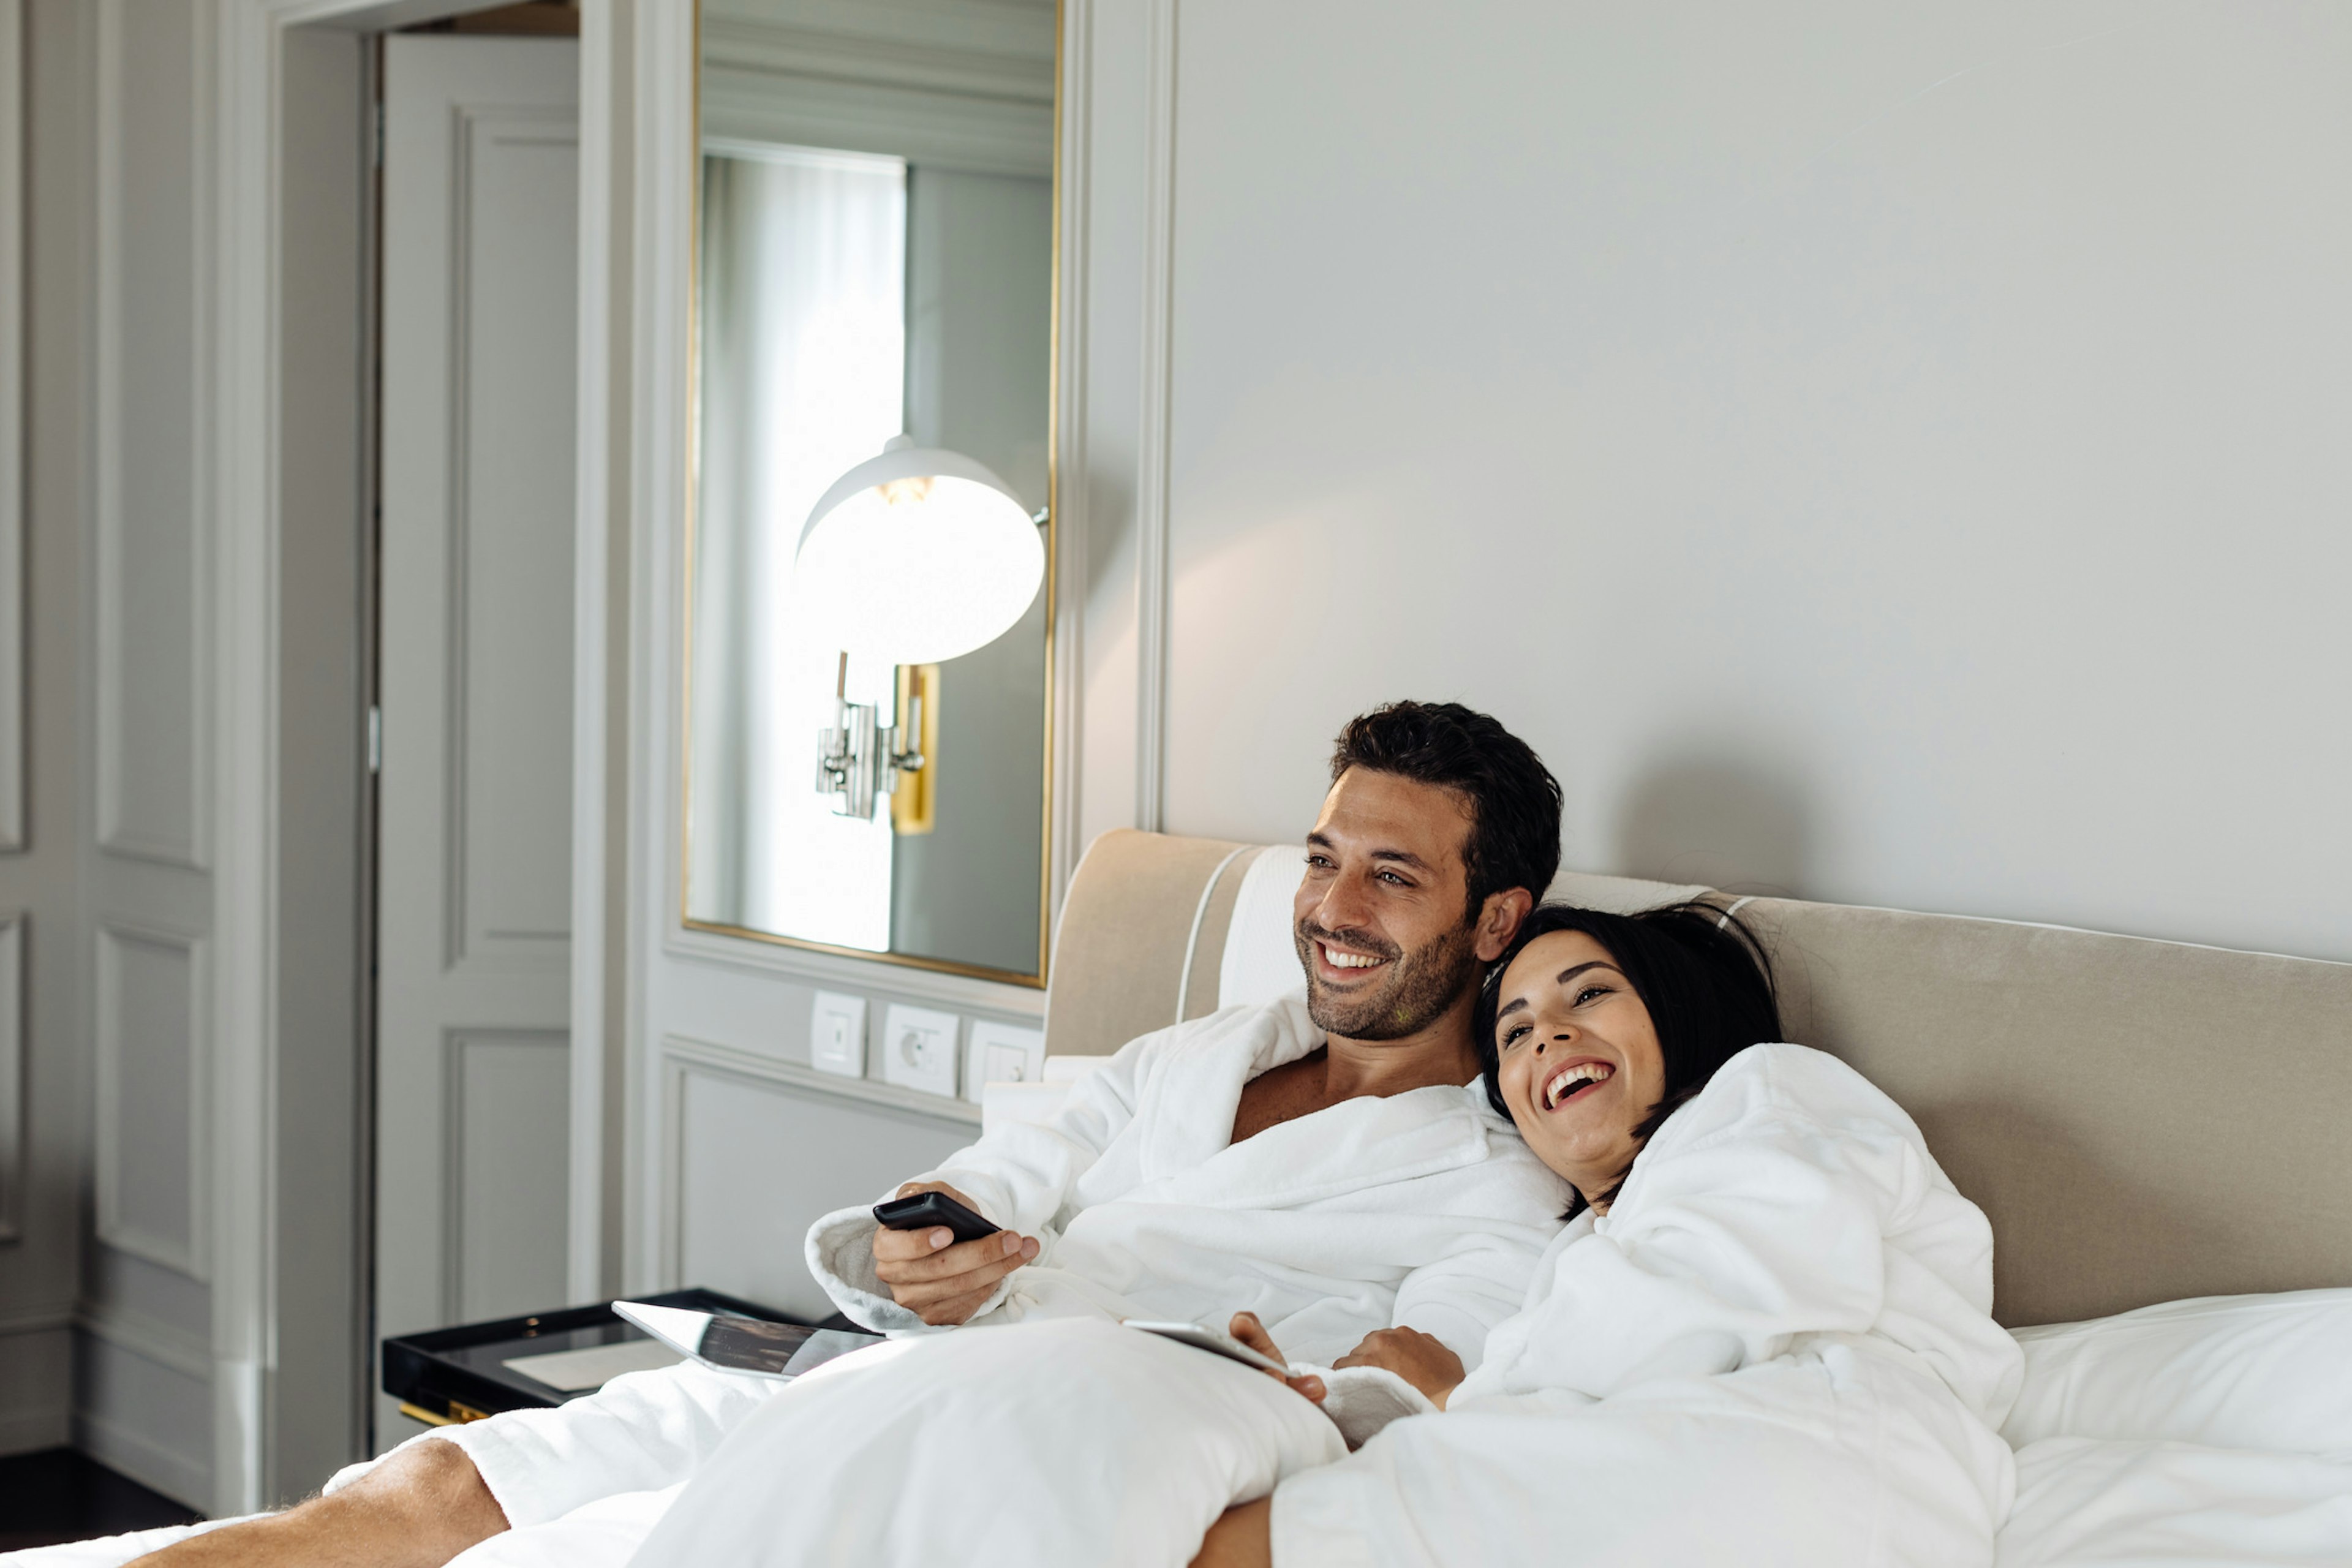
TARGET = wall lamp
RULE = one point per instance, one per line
(914, 557)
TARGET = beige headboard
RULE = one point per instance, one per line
(2143, 1120)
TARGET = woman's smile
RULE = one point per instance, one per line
(1574, 1080)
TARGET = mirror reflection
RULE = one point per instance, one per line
(869, 605)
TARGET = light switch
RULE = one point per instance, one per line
(1001, 1053)
(837, 1034)
(918, 1048)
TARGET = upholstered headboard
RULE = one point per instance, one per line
(2143, 1120)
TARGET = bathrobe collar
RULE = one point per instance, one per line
(1186, 1149)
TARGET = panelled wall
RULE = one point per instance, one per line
(111, 888)
(43, 263)
(144, 1403)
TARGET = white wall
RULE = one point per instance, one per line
(1892, 454)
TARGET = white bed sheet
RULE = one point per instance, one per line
(2084, 1502)
(2081, 1503)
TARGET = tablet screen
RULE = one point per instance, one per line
(779, 1350)
(744, 1344)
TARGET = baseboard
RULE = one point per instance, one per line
(150, 1464)
(36, 1381)
(34, 1428)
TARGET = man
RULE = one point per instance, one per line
(1280, 1159)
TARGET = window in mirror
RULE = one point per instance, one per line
(875, 259)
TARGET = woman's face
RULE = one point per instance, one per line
(1577, 1058)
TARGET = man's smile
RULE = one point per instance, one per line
(1348, 958)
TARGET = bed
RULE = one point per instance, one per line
(2157, 1131)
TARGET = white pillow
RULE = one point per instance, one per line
(1260, 962)
(2226, 1372)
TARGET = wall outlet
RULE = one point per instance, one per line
(918, 1048)
(837, 1034)
(1001, 1053)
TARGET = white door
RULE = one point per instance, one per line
(480, 248)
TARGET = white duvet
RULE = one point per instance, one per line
(1775, 1348)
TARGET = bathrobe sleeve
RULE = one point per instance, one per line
(1024, 1177)
(1759, 1219)
(1461, 1296)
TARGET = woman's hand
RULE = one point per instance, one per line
(1251, 1332)
(1422, 1360)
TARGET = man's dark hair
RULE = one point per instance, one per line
(1513, 799)
(1701, 972)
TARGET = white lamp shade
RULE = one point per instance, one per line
(916, 556)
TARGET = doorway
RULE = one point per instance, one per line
(478, 192)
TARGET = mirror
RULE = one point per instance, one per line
(875, 259)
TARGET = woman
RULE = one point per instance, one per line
(1764, 1337)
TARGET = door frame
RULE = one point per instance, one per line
(259, 1283)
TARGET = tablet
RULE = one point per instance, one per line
(1214, 1341)
(781, 1351)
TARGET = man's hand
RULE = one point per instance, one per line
(1422, 1360)
(938, 1277)
(1251, 1332)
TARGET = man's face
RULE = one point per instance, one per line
(1382, 918)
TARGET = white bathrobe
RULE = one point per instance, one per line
(1776, 1348)
(1423, 1208)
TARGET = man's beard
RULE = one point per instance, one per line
(1419, 988)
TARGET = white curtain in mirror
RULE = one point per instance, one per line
(803, 365)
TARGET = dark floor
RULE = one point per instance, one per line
(57, 1495)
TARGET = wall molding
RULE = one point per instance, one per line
(1073, 201)
(12, 757)
(981, 135)
(681, 1058)
(113, 935)
(504, 951)
(664, 165)
(784, 50)
(36, 1321)
(149, 1338)
(189, 847)
(1151, 589)
(15, 1150)
(590, 1260)
(773, 1071)
(807, 966)
(455, 1043)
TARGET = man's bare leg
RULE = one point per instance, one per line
(1243, 1538)
(418, 1510)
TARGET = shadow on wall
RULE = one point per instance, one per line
(1729, 824)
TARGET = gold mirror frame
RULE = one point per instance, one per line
(1052, 529)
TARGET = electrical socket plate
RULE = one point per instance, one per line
(918, 1048)
(837, 1034)
(1001, 1053)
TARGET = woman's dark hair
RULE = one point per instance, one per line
(1699, 969)
(1514, 801)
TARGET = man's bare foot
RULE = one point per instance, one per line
(418, 1509)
